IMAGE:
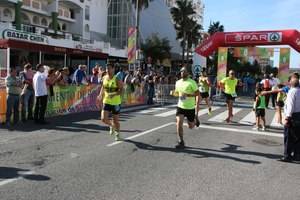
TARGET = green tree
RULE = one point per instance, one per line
(193, 35)
(215, 27)
(212, 61)
(182, 15)
(156, 48)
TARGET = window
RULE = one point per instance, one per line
(87, 13)
(64, 27)
(7, 13)
(36, 20)
(44, 22)
(25, 18)
(87, 28)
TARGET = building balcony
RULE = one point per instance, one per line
(61, 39)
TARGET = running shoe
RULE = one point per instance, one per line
(255, 128)
(263, 128)
(111, 130)
(117, 136)
(180, 145)
(209, 111)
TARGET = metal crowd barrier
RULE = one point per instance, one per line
(162, 94)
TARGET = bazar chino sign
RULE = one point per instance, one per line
(271, 37)
(24, 36)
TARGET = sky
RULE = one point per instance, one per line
(250, 15)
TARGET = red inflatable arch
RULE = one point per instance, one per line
(239, 39)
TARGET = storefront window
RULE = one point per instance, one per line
(54, 60)
(18, 58)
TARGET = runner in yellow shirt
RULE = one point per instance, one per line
(110, 100)
(188, 104)
(229, 85)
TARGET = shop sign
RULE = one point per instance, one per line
(25, 36)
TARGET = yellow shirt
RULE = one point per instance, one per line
(188, 86)
(230, 85)
(110, 87)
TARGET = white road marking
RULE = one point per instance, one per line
(274, 121)
(151, 110)
(166, 114)
(222, 116)
(205, 111)
(265, 133)
(141, 134)
(21, 176)
(248, 119)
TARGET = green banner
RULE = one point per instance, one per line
(284, 64)
(222, 63)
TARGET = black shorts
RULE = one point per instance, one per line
(280, 104)
(114, 109)
(188, 113)
(260, 112)
(229, 97)
(204, 95)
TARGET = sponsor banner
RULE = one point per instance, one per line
(284, 64)
(25, 36)
(222, 62)
(253, 38)
(75, 99)
(131, 45)
(245, 52)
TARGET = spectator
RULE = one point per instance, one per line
(275, 82)
(27, 95)
(13, 89)
(40, 80)
(65, 78)
(94, 78)
(267, 86)
(151, 88)
(79, 75)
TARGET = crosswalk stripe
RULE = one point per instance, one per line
(173, 112)
(274, 121)
(222, 116)
(205, 111)
(248, 119)
(151, 110)
(166, 114)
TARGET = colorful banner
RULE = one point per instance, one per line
(284, 64)
(240, 52)
(222, 63)
(75, 99)
(131, 45)
(244, 52)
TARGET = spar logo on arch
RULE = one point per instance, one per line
(253, 37)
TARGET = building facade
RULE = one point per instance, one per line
(57, 33)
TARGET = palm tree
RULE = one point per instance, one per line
(193, 35)
(215, 27)
(181, 15)
(156, 48)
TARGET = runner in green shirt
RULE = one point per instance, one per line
(188, 104)
(229, 85)
(204, 86)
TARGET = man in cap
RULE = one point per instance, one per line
(188, 104)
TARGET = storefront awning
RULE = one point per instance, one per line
(15, 44)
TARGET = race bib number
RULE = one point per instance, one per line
(202, 89)
(234, 95)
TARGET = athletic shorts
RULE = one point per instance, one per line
(114, 109)
(204, 95)
(260, 112)
(189, 114)
(280, 104)
(229, 97)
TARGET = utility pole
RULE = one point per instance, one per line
(137, 34)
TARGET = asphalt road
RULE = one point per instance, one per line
(74, 158)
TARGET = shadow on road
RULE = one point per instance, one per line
(206, 153)
(11, 173)
(70, 123)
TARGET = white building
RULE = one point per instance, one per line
(55, 32)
